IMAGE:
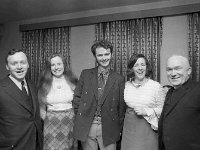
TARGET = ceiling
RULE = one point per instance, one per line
(16, 10)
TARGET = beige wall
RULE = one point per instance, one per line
(81, 40)
(11, 38)
(174, 41)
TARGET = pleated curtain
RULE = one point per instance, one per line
(132, 37)
(40, 43)
(194, 44)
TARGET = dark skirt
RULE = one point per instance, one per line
(58, 130)
(137, 133)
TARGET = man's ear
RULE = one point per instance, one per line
(7, 67)
(189, 71)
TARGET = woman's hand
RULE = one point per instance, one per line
(140, 110)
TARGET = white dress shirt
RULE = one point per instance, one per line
(18, 83)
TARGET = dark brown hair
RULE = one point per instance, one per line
(131, 63)
(102, 43)
(46, 77)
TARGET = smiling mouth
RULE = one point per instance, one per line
(57, 71)
(19, 72)
(175, 78)
(105, 61)
(140, 73)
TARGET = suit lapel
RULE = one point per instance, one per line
(94, 81)
(109, 84)
(178, 97)
(16, 94)
(33, 95)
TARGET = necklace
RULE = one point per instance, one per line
(59, 86)
(58, 82)
(137, 85)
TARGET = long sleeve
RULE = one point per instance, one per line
(78, 93)
(149, 96)
(122, 105)
(43, 106)
(154, 111)
(43, 112)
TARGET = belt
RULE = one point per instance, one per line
(59, 107)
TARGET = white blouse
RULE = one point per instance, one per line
(59, 97)
(150, 96)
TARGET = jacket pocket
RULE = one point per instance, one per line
(7, 144)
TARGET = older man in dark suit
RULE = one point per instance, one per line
(20, 123)
(179, 124)
(98, 102)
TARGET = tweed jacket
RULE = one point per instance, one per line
(113, 107)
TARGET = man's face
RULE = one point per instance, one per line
(17, 65)
(103, 57)
(178, 71)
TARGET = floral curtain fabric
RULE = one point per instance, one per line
(194, 44)
(39, 44)
(131, 37)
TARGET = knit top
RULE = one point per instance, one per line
(60, 95)
(150, 96)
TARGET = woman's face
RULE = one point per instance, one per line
(139, 69)
(57, 67)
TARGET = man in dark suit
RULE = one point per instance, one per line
(20, 123)
(179, 124)
(98, 102)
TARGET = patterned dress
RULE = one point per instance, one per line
(59, 117)
(139, 131)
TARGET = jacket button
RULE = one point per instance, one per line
(86, 92)
(80, 114)
(111, 109)
(84, 104)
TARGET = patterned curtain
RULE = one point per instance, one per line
(131, 37)
(194, 44)
(39, 44)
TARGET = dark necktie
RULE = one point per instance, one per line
(101, 80)
(23, 88)
(28, 99)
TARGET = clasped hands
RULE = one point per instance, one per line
(139, 110)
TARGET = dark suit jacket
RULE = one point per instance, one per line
(112, 111)
(179, 124)
(19, 123)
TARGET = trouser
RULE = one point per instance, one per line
(95, 139)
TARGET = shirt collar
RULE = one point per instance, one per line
(18, 83)
(104, 71)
